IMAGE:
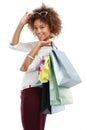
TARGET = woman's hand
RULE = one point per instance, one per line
(45, 43)
(25, 18)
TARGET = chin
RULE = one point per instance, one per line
(43, 39)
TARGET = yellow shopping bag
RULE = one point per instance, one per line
(43, 69)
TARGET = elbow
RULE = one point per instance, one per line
(13, 43)
(23, 68)
(25, 65)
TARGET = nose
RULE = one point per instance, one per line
(38, 30)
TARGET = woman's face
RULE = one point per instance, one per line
(41, 30)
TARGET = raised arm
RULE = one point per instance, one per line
(23, 21)
(30, 57)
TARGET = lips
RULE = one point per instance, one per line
(41, 36)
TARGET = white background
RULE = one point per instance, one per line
(72, 40)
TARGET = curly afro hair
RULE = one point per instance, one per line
(52, 19)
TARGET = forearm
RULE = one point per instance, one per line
(17, 33)
(23, 21)
(28, 60)
(33, 52)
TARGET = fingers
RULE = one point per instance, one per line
(46, 43)
(26, 12)
(49, 43)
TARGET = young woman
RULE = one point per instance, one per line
(45, 23)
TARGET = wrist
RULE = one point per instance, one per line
(39, 44)
(21, 24)
(30, 57)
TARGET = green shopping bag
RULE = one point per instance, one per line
(58, 95)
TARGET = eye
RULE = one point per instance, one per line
(35, 28)
(42, 27)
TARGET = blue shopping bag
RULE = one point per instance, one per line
(65, 73)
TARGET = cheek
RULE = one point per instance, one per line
(48, 32)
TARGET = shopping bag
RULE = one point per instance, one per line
(65, 73)
(58, 95)
(46, 108)
(43, 69)
(45, 99)
(43, 76)
(55, 98)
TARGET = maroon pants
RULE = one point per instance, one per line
(32, 119)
